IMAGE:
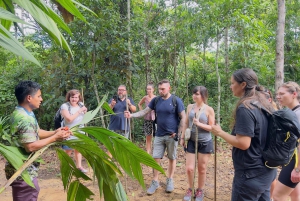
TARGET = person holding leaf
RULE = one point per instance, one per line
(28, 137)
(202, 116)
(73, 111)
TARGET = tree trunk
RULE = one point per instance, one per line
(218, 77)
(186, 73)
(95, 85)
(146, 41)
(280, 44)
(226, 66)
(175, 50)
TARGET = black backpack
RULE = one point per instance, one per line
(58, 118)
(282, 137)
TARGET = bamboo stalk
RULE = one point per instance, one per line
(196, 154)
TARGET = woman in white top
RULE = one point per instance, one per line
(72, 112)
(149, 117)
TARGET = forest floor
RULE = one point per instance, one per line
(52, 188)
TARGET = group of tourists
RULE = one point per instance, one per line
(166, 119)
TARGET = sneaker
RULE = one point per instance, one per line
(82, 170)
(199, 195)
(188, 195)
(170, 185)
(154, 185)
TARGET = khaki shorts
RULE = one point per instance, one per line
(161, 143)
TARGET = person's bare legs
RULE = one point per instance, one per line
(78, 159)
(272, 188)
(69, 152)
(281, 192)
(171, 168)
(295, 194)
(155, 172)
(148, 143)
(189, 166)
(202, 165)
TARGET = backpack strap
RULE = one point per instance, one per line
(69, 107)
(174, 101)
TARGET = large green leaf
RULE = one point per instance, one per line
(42, 5)
(16, 158)
(91, 114)
(4, 14)
(69, 6)
(68, 169)
(11, 44)
(7, 4)
(41, 17)
(84, 7)
(78, 192)
(128, 155)
(104, 169)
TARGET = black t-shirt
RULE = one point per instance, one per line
(252, 123)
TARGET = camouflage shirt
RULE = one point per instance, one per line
(24, 129)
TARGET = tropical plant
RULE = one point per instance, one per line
(45, 17)
(126, 155)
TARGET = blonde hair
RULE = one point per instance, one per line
(292, 87)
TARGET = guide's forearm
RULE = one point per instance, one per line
(141, 113)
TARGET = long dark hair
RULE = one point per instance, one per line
(252, 92)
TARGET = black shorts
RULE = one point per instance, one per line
(203, 147)
(285, 174)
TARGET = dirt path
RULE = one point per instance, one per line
(52, 189)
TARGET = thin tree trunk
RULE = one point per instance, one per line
(186, 73)
(129, 72)
(175, 50)
(218, 77)
(146, 41)
(95, 85)
(204, 63)
(226, 65)
(280, 44)
(218, 115)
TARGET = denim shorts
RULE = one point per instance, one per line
(161, 143)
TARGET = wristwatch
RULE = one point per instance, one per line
(297, 170)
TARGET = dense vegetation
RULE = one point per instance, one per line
(184, 41)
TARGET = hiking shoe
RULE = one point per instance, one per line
(154, 185)
(82, 170)
(170, 185)
(188, 195)
(199, 195)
